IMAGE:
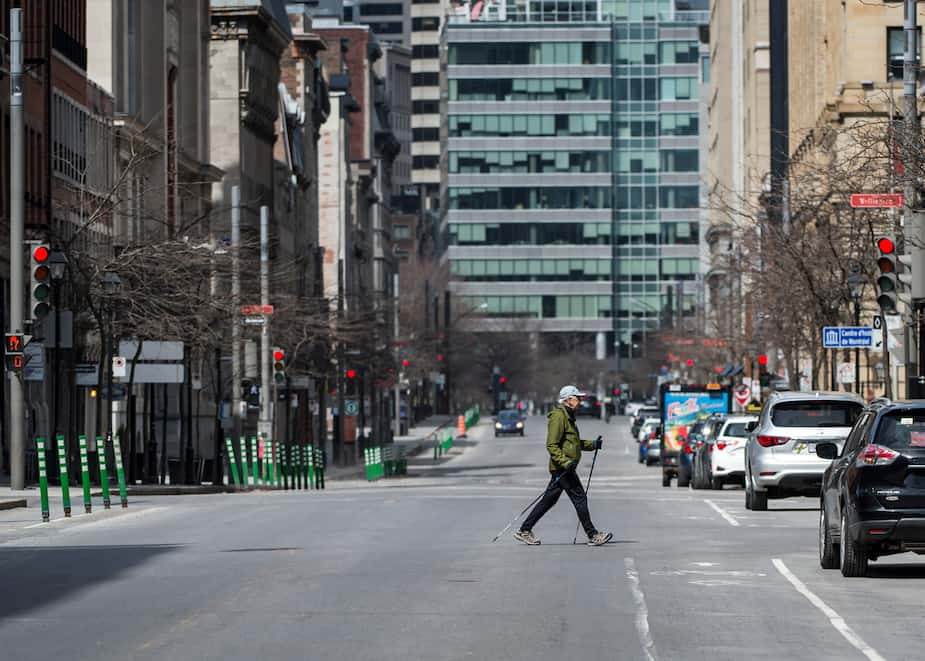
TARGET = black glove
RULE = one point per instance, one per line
(598, 443)
(570, 466)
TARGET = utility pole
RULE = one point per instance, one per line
(914, 219)
(17, 181)
(266, 414)
(396, 421)
(236, 427)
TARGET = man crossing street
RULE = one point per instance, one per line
(565, 447)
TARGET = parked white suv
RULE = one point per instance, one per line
(780, 454)
(727, 452)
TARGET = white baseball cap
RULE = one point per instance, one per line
(568, 391)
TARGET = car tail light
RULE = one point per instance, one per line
(878, 531)
(652, 435)
(876, 455)
(770, 441)
(597, 404)
(687, 449)
(720, 446)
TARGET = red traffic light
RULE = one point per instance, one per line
(40, 254)
(351, 374)
(690, 362)
(439, 357)
(616, 391)
(502, 380)
(763, 360)
(278, 355)
(405, 362)
(886, 245)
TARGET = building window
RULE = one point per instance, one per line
(383, 28)
(680, 160)
(425, 79)
(679, 52)
(529, 234)
(576, 197)
(529, 89)
(430, 51)
(682, 123)
(401, 232)
(465, 126)
(425, 162)
(425, 134)
(679, 89)
(386, 9)
(550, 52)
(483, 162)
(425, 107)
(425, 24)
(896, 48)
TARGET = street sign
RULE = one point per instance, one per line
(351, 407)
(254, 310)
(265, 428)
(847, 337)
(877, 200)
(34, 366)
(253, 321)
(742, 393)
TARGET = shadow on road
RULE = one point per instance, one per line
(793, 509)
(451, 470)
(33, 577)
(582, 543)
(877, 570)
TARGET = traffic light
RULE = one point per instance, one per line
(405, 363)
(40, 288)
(690, 362)
(279, 365)
(763, 360)
(886, 281)
(502, 380)
(351, 374)
(14, 357)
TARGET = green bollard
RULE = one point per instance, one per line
(254, 465)
(43, 478)
(233, 467)
(276, 470)
(319, 455)
(300, 470)
(65, 481)
(284, 456)
(296, 476)
(310, 465)
(245, 471)
(262, 456)
(270, 458)
(104, 473)
(85, 472)
(120, 471)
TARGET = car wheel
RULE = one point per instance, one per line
(716, 483)
(666, 479)
(759, 500)
(497, 434)
(685, 482)
(853, 555)
(828, 554)
(748, 494)
(521, 434)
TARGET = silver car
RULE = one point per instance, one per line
(780, 453)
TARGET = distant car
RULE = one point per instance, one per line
(727, 452)
(651, 437)
(631, 408)
(590, 406)
(780, 456)
(642, 414)
(711, 428)
(873, 492)
(509, 421)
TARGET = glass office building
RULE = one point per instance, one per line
(571, 182)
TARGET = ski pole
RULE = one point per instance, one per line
(524, 511)
(587, 489)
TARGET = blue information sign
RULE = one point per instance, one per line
(847, 337)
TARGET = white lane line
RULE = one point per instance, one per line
(642, 612)
(723, 513)
(837, 620)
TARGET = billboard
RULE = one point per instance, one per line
(682, 406)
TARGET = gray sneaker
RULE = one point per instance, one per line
(600, 538)
(527, 537)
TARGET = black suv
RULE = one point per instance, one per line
(873, 493)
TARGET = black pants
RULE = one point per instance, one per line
(568, 481)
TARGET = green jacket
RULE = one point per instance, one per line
(562, 439)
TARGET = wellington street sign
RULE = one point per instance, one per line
(877, 200)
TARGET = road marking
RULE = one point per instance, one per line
(642, 612)
(837, 620)
(723, 513)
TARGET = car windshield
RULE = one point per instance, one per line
(735, 429)
(902, 430)
(647, 413)
(509, 416)
(815, 414)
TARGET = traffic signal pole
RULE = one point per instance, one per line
(17, 181)
(236, 306)
(265, 358)
(915, 219)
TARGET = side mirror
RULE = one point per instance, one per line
(826, 450)
(751, 426)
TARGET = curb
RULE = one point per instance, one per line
(12, 503)
(173, 491)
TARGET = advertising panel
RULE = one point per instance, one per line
(682, 406)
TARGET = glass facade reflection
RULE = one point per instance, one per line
(596, 184)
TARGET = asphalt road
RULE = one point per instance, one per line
(405, 569)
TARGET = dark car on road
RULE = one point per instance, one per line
(509, 421)
(688, 454)
(590, 406)
(873, 492)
